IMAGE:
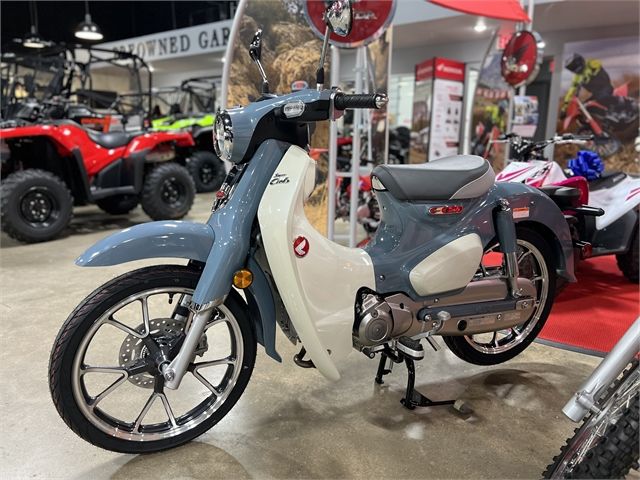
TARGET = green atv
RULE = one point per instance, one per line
(190, 107)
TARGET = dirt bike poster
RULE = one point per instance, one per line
(599, 97)
(490, 113)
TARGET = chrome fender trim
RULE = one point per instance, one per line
(162, 239)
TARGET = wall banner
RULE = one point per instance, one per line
(600, 77)
(209, 37)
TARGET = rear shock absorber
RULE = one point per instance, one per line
(508, 244)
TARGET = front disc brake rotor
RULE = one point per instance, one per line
(133, 349)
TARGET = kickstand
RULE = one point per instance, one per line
(413, 398)
(382, 371)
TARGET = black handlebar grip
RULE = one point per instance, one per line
(343, 101)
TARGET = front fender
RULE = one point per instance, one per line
(163, 239)
(193, 241)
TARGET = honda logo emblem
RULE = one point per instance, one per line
(301, 246)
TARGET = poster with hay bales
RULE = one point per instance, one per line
(290, 54)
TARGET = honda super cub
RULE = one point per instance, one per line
(157, 356)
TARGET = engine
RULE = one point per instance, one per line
(382, 319)
(484, 306)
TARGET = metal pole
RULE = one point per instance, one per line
(367, 115)
(228, 55)
(528, 26)
(355, 152)
(333, 150)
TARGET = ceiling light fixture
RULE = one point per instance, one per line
(480, 26)
(88, 30)
(33, 39)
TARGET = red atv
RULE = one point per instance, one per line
(49, 167)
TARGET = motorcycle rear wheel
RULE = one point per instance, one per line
(105, 401)
(536, 263)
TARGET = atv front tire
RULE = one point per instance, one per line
(118, 204)
(207, 170)
(168, 192)
(36, 205)
(628, 262)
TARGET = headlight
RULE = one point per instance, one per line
(223, 135)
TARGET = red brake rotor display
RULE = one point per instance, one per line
(370, 19)
(521, 58)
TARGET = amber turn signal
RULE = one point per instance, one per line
(242, 278)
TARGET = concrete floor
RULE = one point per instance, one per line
(290, 423)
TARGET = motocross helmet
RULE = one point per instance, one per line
(575, 63)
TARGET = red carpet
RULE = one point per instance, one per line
(592, 314)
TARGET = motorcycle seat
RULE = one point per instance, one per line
(564, 197)
(110, 139)
(451, 178)
(606, 180)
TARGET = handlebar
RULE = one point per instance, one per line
(343, 101)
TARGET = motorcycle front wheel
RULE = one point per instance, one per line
(104, 369)
(606, 445)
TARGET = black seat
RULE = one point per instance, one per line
(606, 180)
(450, 178)
(111, 139)
(564, 197)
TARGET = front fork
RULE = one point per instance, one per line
(506, 231)
(176, 369)
(586, 398)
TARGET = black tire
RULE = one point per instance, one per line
(89, 311)
(629, 262)
(207, 170)
(462, 347)
(118, 204)
(168, 192)
(36, 205)
(614, 454)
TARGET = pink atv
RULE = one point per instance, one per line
(602, 213)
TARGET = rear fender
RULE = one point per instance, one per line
(192, 241)
(148, 141)
(533, 209)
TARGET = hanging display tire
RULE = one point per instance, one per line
(36, 205)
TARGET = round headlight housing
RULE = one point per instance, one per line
(223, 135)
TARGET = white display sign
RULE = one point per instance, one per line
(445, 118)
(525, 115)
(209, 37)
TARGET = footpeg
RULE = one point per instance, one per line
(411, 348)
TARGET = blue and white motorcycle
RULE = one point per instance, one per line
(156, 357)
